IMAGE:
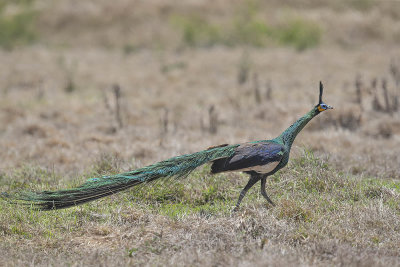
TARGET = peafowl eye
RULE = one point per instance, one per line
(323, 107)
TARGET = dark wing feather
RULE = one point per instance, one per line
(250, 155)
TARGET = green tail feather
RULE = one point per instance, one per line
(96, 188)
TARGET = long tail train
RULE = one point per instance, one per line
(96, 188)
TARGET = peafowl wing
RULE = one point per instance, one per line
(261, 157)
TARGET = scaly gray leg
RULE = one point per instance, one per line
(253, 179)
(263, 193)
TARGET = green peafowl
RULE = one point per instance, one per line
(259, 159)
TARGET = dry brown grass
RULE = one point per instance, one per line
(336, 206)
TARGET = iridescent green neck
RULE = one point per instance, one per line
(288, 136)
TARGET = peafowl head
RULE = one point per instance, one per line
(321, 106)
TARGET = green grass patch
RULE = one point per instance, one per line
(291, 210)
(299, 33)
(196, 31)
(17, 28)
(247, 27)
(362, 5)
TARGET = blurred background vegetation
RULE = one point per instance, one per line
(17, 20)
(131, 25)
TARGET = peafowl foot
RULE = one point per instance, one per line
(264, 193)
(253, 179)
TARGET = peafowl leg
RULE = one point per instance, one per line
(253, 179)
(263, 193)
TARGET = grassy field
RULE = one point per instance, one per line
(192, 76)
